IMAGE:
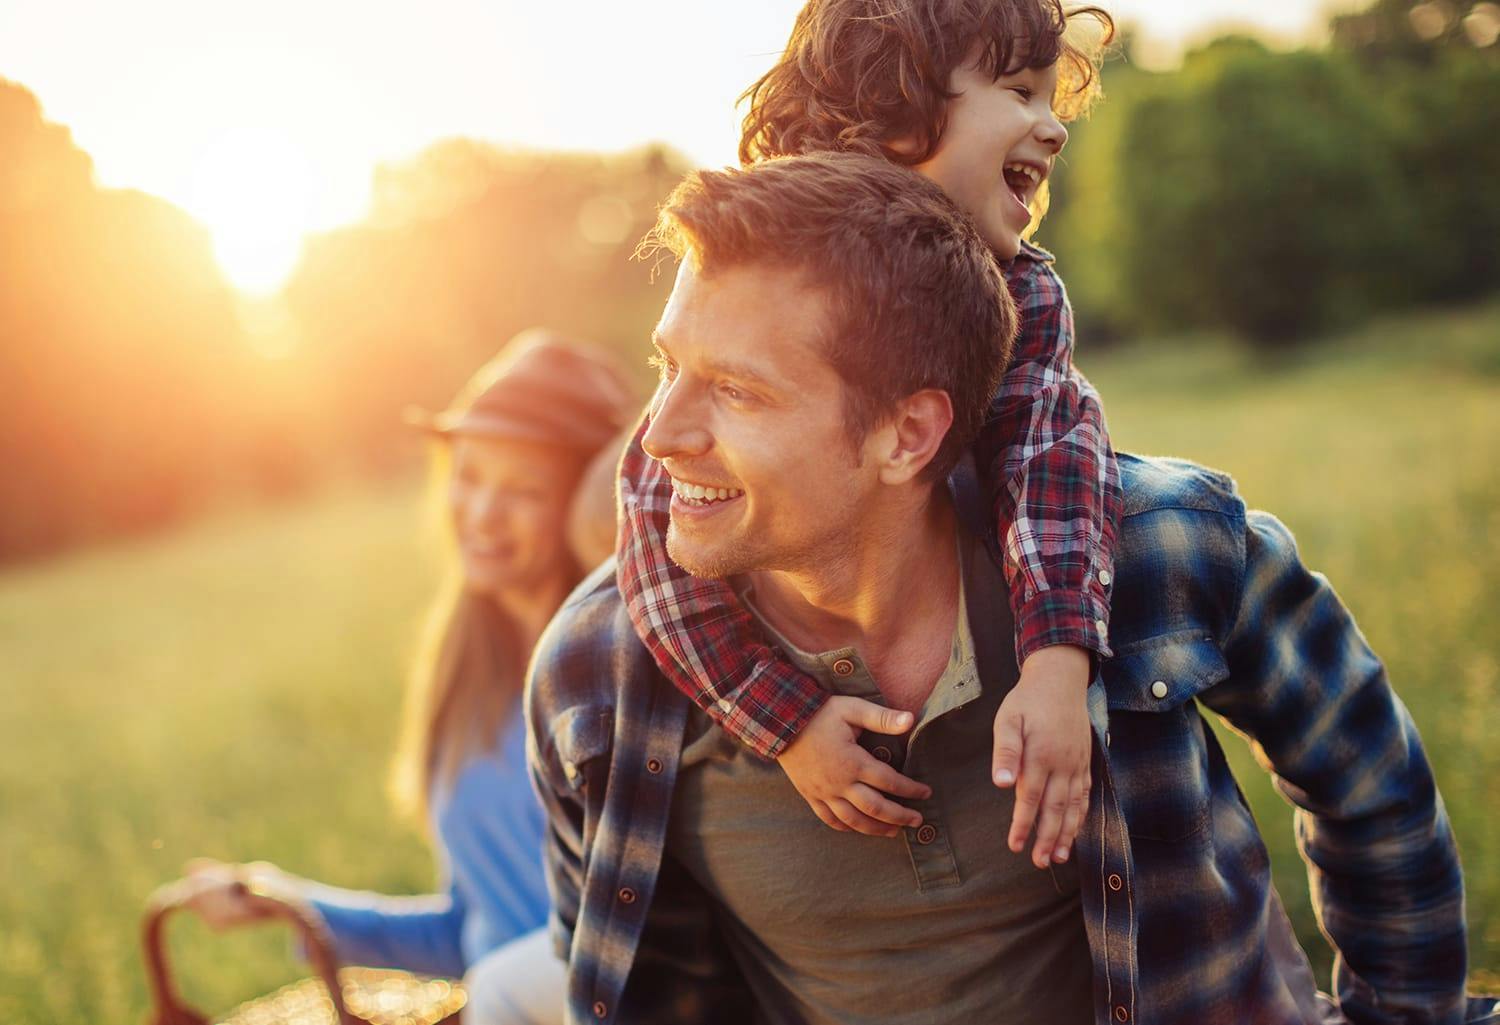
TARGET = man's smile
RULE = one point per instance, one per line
(698, 496)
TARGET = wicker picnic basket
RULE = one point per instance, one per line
(336, 996)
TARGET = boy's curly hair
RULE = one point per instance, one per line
(860, 75)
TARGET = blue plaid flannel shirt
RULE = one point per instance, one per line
(1212, 609)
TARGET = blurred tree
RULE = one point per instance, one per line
(115, 334)
(468, 244)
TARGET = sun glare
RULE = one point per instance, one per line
(254, 190)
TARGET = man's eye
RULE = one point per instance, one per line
(734, 394)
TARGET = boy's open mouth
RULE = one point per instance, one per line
(1023, 180)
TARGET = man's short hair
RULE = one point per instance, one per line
(916, 297)
(862, 75)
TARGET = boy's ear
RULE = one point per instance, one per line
(907, 442)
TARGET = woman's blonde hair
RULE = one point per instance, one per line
(471, 665)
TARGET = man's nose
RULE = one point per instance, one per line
(677, 428)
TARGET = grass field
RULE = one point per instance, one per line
(232, 690)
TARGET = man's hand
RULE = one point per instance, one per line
(841, 781)
(1042, 745)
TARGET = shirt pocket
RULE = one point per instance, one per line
(1157, 748)
(582, 736)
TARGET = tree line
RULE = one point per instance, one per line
(1276, 195)
(1283, 195)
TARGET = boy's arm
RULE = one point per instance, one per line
(1056, 496)
(1053, 478)
(701, 637)
(705, 642)
(1381, 858)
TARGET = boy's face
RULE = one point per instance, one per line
(998, 147)
(749, 407)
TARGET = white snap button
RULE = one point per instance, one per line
(1105, 577)
(1159, 689)
(1102, 627)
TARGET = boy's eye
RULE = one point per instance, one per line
(1022, 91)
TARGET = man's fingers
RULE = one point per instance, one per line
(882, 777)
(1054, 809)
(881, 809)
(867, 715)
(1006, 764)
(858, 821)
(1078, 803)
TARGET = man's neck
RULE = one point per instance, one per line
(893, 596)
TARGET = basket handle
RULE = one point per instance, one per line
(169, 1008)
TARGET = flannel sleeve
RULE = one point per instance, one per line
(701, 637)
(1384, 869)
(1052, 477)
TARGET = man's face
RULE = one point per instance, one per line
(998, 147)
(748, 421)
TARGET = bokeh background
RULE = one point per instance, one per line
(234, 246)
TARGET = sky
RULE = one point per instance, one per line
(265, 119)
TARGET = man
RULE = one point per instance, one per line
(827, 355)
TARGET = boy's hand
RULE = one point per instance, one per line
(1042, 744)
(841, 781)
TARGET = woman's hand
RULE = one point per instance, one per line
(227, 896)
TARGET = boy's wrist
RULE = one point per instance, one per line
(1067, 662)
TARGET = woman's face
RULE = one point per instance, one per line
(509, 503)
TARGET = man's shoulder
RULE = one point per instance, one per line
(589, 644)
(1154, 484)
(1180, 552)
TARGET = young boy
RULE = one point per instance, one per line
(972, 94)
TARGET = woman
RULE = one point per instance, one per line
(530, 463)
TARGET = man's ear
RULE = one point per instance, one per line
(911, 438)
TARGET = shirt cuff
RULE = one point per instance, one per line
(1054, 617)
(771, 709)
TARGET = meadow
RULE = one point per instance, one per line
(232, 690)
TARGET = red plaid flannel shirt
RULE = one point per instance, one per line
(1046, 457)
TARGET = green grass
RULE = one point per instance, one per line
(232, 690)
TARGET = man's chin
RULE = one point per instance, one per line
(711, 562)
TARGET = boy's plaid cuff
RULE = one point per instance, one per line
(1054, 617)
(769, 709)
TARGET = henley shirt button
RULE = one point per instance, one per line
(570, 770)
(627, 896)
(1159, 689)
(843, 667)
(882, 754)
(1104, 577)
(600, 1010)
(926, 833)
(1115, 882)
(725, 705)
(1120, 1013)
(653, 765)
